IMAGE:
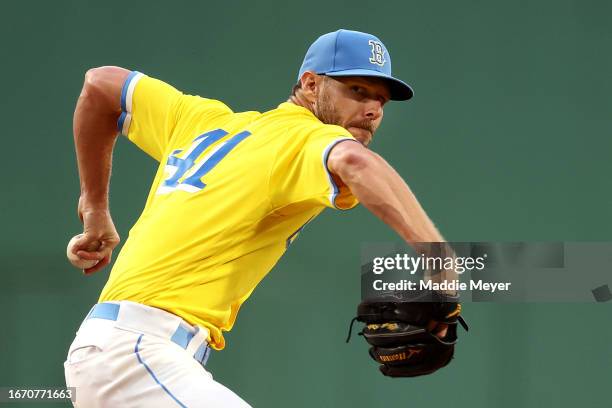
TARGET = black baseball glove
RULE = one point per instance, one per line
(400, 331)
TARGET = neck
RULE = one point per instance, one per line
(299, 100)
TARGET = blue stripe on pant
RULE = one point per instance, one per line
(140, 360)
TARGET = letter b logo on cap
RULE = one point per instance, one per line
(378, 53)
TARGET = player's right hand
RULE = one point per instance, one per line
(98, 232)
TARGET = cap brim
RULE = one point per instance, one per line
(400, 91)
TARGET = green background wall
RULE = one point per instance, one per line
(508, 138)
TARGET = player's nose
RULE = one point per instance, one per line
(373, 109)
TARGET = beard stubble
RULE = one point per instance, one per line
(327, 112)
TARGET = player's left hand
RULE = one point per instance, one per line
(98, 232)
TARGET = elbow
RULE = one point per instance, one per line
(93, 75)
(103, 85)
(99, 75)
(95, 79)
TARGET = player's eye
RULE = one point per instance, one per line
(358, 90)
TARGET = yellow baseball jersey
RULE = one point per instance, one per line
(231, 193)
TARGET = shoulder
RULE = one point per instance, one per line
(206, 102)
(195, 106)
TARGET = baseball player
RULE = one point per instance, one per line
(232, 191)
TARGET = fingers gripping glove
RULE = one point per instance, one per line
(397, 330)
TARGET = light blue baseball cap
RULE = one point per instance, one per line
(353, 53)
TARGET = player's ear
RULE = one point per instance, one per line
(310, 83)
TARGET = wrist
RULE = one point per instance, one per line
(92, 204)
(93, 198)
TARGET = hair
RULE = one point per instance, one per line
(295, 88)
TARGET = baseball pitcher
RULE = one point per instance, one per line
(232, 191)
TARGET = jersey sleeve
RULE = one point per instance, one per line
(152, 112)
(300, 173)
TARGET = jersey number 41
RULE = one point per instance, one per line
(185, 171)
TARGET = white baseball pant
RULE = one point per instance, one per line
(126, 354)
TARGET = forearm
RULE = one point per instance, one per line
(95, 133)
(383, 191)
